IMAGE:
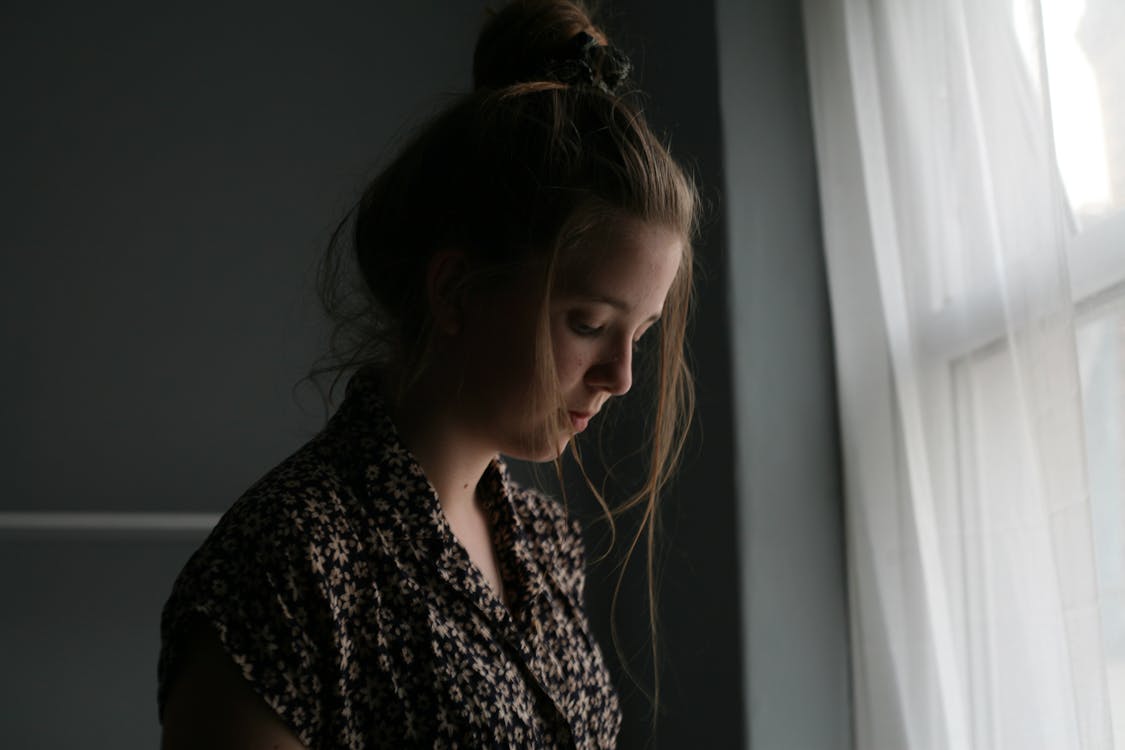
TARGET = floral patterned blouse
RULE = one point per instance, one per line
(339, 589)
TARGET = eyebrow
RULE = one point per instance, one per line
(620, 304)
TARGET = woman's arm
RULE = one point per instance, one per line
(210, 704)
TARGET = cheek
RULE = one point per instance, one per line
(494, 375)
(570, 364)
(500, 340)
(570, 355)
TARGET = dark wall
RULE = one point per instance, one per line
(170, 177)
(674, 46)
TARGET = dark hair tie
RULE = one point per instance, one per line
(585, 62)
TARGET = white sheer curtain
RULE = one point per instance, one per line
(976, 610)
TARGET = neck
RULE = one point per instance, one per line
(454, 462)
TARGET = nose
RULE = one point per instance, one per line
(613, 372)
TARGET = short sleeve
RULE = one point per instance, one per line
(263, 594)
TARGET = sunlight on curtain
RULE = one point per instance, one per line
(972, 166)
(1101, 343)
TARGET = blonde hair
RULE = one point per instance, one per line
(523, 168)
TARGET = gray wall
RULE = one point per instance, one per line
(169, 180)
(171, 177)
(796, 668)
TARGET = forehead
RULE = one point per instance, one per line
(620, 252)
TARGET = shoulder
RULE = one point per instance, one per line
(291, 532)
(306, 498)
(262, 580)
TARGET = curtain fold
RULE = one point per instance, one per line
(973, 584)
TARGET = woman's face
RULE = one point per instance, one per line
(607, 294)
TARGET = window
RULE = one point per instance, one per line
(1085, 63)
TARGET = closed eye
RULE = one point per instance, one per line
(583, 329)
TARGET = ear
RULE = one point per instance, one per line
(445, 274)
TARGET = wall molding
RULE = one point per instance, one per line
(98, 522)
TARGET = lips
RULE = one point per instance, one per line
(580, 419)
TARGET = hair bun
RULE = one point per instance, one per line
(586, 61)
(547, 40)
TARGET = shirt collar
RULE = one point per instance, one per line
(402, 500)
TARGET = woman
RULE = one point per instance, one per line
(388, 585)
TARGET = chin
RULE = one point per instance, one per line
(539, 453)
